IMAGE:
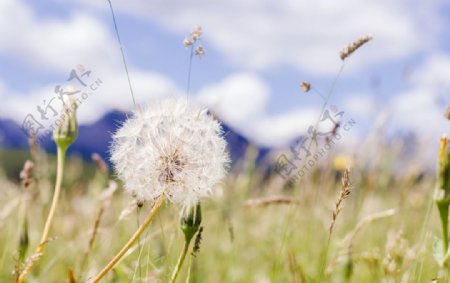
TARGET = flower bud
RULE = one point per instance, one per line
(190, 221)
(67, 130)
(443, 178)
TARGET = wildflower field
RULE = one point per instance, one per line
(255, 229)
(209, 184)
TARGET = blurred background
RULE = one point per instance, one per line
(384, 119)
(257, 54)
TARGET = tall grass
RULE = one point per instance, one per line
(257, 229)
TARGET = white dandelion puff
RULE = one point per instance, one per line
(170, 148)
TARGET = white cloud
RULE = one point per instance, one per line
(54, 44)
(306, 35)
(60, 45)
(419, 111)
(362, 108)
(282, 129)
(240, 100)
(434, 71)
(113, 93)
(421, 108)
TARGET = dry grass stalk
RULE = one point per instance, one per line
(347, 243)
(29, 264)
(366, 221)
(399, 256)
(70, 276)
(96, 225)
(27, 173)
(9, 208)
(271, 200)
(343, 194)
(100, 164)
(105, 199)
(131, 241)
(92, 238)
(298, 275)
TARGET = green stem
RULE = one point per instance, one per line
(188, 277)
(443, 213)
(61, 154)
(180, 260)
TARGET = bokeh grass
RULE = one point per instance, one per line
(240, 242)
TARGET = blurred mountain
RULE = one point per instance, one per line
(11, 135)
(96, 137)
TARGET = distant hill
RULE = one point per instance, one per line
(96, 137)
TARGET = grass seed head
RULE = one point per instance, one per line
(196, 33)
(187, 42)
(199, 51)
(343, 194)
(352, 47)
(27, 173)
(305, 86)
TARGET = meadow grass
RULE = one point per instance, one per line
(240, 241)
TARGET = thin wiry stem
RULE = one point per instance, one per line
(188, 83)
(61, 154)
(423, 239)
(180, 260)
(121, 51)
(291, 206)
(92, 239)
(130, 242)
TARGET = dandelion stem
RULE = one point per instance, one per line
(180, 260)
(59, 175)
(132, 240)
(188, 277)
(61, 154)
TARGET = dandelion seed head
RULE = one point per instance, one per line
(170, 148)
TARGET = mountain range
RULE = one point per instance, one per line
(96, 138)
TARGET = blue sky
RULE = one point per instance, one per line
(257, 53)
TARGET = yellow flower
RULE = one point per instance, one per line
(340, 162)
